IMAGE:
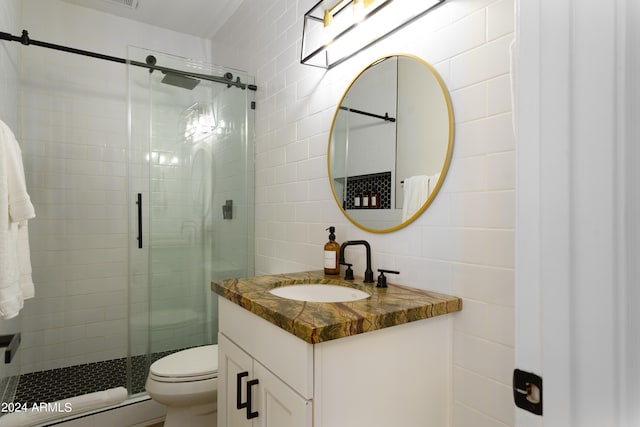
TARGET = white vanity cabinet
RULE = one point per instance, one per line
(260, 362)
(395, 376)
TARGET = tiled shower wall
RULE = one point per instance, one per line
(464, 243)
(9, 64)
(74, 138)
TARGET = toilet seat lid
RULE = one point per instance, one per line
(188, 364)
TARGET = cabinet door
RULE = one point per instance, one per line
(235, 368)
(278, 404)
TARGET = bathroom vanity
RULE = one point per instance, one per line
(379, 361)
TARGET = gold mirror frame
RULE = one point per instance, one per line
(449, 152)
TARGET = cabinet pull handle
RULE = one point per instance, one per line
(250, 414)
(239, 404)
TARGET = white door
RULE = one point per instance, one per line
(235, 368)
(279, 405)
(577, 115)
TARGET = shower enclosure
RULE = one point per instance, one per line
(124, 249)
(190, 182)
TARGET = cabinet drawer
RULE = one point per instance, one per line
(288, 357)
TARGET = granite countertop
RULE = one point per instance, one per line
(316, 322)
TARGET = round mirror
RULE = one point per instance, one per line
(391, 143)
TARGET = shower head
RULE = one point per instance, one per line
(180, 81)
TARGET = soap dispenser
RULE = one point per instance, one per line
(374, 199)
(365, 199)
(331, 250)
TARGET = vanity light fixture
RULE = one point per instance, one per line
(335, 30)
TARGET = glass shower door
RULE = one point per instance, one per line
(190, 174)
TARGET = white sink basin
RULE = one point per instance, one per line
(319, 293)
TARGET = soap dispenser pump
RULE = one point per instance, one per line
(331, 250)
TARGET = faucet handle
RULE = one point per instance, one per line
(382, 279)
(348, 275)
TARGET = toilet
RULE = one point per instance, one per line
(186, 382)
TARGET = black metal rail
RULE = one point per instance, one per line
(150, 64)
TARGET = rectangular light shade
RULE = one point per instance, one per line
(335, 30)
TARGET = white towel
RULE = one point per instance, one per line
(24, 262)
(416, 192)
(15, 210)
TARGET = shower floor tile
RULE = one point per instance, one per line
(64, 383)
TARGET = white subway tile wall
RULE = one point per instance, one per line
(463, 244)
(9, 65)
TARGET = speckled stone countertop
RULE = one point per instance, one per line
(316, 322)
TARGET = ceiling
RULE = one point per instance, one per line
(202, 18)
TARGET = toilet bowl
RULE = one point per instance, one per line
(186, 382)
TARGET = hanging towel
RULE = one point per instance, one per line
(15, 210)
(416, 192)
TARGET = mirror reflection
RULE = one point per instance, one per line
(391, 143)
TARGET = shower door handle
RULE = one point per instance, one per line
(139, 203)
